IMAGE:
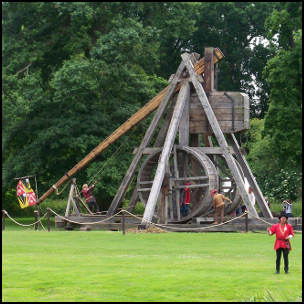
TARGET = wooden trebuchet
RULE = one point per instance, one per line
(218, 134)
(133, 120)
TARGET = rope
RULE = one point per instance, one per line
(24, 225)
(139, 218)
(57, 192)
(299, 231)
(90, 223)
(193, 228)
(108, 159)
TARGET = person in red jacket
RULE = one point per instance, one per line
(90, 199)
(185, 200)
(284, 232)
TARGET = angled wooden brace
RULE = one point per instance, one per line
(158, 142)
(219, 134)
(183, 95)
(248, 174)
(146, 140)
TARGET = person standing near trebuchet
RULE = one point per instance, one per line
(218, 204)
(284, 232)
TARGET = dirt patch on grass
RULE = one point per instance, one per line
(150, 229)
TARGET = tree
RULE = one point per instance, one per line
(276, 157)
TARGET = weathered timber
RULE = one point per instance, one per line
(200, 163)
(147, 138)
(168, 144)
(248, 174)
(71, 201)
(183, 138)
(226, 127)
(230, 108)
(219, 134)
(176, 208)
(209, 70)
(211, 150)
(133, 200)
(191, 186)
(36, 216)
(189, 178)
(133, 120)
(164, 128)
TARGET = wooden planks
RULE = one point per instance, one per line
(231, 116)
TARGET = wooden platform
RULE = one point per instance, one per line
(200, 224)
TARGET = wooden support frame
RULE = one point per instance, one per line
(184, 94)
(71, 202)
(71, 205)
(218, 134)
(248, 174)
(147, 138)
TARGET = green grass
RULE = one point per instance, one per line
(85, 266)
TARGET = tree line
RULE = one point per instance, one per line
(73, 72)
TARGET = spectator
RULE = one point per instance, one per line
(287, 206)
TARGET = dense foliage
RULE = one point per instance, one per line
(73, 72)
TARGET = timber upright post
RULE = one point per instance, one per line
(184, 94)
(3, 220)
(36, 215)
(49, 219)
(123, 223)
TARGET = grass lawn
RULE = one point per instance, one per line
(84, 266)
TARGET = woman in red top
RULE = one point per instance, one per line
(185, 200)
(90, 199)
(284, 232)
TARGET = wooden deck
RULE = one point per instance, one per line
(200, 224)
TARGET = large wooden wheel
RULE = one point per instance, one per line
(185, 164)
(227, 184)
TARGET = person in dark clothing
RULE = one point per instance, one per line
(90, 199)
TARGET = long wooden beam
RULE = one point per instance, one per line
(133, 120)
(183, 95)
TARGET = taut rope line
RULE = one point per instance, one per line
(133, 215)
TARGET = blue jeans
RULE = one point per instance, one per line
(184, 209)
